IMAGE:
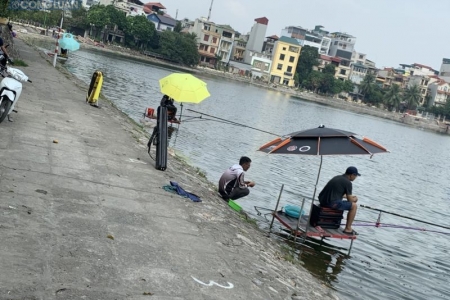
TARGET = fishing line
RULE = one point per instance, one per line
(406, 217)
(234, 123)
(400, 227)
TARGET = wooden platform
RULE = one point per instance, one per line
(291, 224)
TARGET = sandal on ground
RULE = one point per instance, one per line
(350, 233)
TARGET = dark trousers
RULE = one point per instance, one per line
(235, 194)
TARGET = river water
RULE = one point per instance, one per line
(385, 263)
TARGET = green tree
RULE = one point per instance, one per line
(328, 84)
(308, 59)
(116, 17)
(329, 69)
(375, 97)
(338, 86)
(367, 85)
(178, 27)
(78, 19)
(313, 81)
(412, 96)
(4, 12)
(392, 97)
(179, 47)
(99, 17)
(296, 79)
(140, 29)
(154, 41)
(348, 86)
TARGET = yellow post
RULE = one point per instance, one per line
(94, 88)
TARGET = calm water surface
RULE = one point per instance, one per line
(411, 180)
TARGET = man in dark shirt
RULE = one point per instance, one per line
(337, 188)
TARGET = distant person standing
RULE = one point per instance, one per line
(232, 184)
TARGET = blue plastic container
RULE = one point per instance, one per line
(293, 211)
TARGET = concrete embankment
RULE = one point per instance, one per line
(83, 214)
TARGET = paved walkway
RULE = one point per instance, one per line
(83, 214)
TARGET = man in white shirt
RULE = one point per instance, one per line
(232, 184)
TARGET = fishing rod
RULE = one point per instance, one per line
(233, 123)
(385, 225)
(406, 217)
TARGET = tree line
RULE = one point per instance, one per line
(396, 98)
(139, 32)
(320, 82)
(393, 97)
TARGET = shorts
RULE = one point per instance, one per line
(340, 205)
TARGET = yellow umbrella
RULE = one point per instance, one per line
(184, 87)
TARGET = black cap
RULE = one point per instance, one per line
(352, 170)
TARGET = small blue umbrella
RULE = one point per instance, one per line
(68, 42)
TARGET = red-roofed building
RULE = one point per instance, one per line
(256, 39)
(325, 60)
(262, 20)
(153, 7)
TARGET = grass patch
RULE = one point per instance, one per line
(20, 63)
(200, 173)
(249, 220)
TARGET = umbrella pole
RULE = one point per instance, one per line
(181, 112)
(314, 195)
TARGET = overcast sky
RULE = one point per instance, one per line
(390, 32)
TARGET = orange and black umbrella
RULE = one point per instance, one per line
(323, 141)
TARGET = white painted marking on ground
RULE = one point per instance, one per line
(212, 283)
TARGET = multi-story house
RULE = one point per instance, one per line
(422, 81)
(343, 70)
(261, 65)
(326, 40)
(256, 38)
(325, 60)
(269, 43)
(418, 69)
(444, 71)
(308, 38)
(439, 92)
(385, 78)
(226, 42)
(358, 58)
(284, 61)
(357, 73)
(130, 7)
(162, 22)
(325, 45)
(342, 45)
(239, 45)
(208, 39)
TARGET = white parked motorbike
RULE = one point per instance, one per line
(10, 89)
